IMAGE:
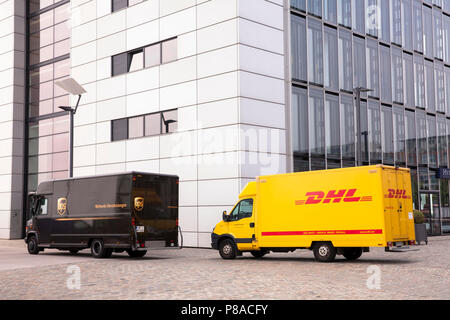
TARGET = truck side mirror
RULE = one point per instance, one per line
(225, 216)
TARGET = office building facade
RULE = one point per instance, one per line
(219, 92)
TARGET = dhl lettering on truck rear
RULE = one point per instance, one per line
(331, 212)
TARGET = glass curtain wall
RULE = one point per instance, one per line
(400, 49)
(48, 26)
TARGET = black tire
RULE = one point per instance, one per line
(73, 251)
(324, 252)
(227, 249)
(98, 249)
(259, 254)
(352, 254)
(136, 254)
(32, 245)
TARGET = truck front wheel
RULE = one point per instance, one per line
(227, 249)
(32, 245)
(324, 252)
(352, 254)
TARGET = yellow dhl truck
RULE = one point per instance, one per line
(331, 212)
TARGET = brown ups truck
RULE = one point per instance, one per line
(131, 212)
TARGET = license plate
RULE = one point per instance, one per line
(140, 229)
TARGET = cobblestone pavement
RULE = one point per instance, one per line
(202, 274)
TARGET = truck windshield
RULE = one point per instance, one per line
(243, 209)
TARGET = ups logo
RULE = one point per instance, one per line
(62, 206)
(139, 204)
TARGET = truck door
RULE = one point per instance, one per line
(43, 220)
(395, 204)
(242, 224)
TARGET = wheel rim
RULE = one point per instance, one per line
(97, 247)
(32, 245)
(323, 251)
(227, 249)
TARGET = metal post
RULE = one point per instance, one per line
(358, 127)
(71, 145)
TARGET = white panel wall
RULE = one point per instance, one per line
(12, 93)
(227, 84)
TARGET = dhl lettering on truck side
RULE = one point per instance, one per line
(318, 233)
(397, 194)
(333, 196)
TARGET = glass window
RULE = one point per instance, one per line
(446, 37)
(300, 125)
(119, 4)
(385, 74)
(419, 82)
(345, 13)
(387, 134)
(372, 17)
(440, 87)
(358, 16)
(365, 132)
(347, 127)
(119, 129)
(442, 141)
(169, 121)
(332, 138)
(397, 75)
(408, 79)
(421, 126)
(428, 31)
(432, 141)
(331, 73)
(299, 4)
(43, 207)
(385, 30)
(423, 179)
(242, 210)
(418, 26)
(396, 21)
(359, 62)
(315, 52)
(374, 132)
(169, 50)
(315, 7)
(120, 64)
(399, 135)
(298, 40)
(447, 88)
(135, 127)
(373, 74)
(407, 25)
(438, 35)
(429, 86)
(345, 60)
(316, 117)
(153, 55)
(330, 10)
(153, 124)
(135, 61)
(410, 130)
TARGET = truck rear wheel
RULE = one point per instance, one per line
(136, 254)
(324, 252)
(352, 254)
(98, 249)
(227, 249)
(32, 245)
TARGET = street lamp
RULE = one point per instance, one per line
(357, 91)
(72, 87)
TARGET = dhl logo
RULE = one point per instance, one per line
(397, 194)
(333, 196)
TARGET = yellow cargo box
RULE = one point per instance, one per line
(339, 211)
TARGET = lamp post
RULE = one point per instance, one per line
(72, 87)
(357, 91)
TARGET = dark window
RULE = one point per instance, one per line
(120, 64)
(119, 129)
(243, 209)
(119, 4)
